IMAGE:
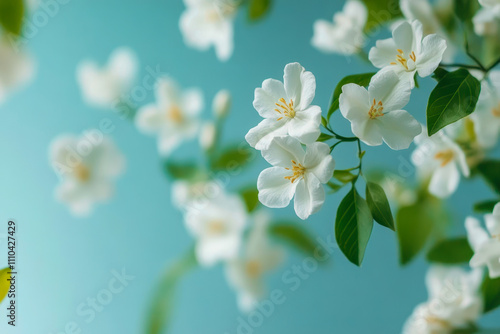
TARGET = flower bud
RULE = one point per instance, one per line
(207, 135)
(221, 103)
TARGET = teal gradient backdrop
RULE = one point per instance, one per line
(65, 260)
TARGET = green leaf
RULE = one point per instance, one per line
(380, 12)
(439, 74)
(295, 236)
(359, 79)
(250, 196)
(379, 205)
(324, 137)
(452, 251)
(324, 122)
(258, 8)
(160, 313)
(334, 186)
(344, 176)
(491, 293)
(453, 98)
(232, 158)
(486, 206)
(353, 226)
(4, 284)
(489, 169)
(465, 9)
(11, 16)
(182, 171)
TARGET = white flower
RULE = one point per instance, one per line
(486, 246)
(408, 52)
(286, 108)
(194, 194)
(221, 103)
(208, 134)
(209, 22)
(492, 5)
(375, 114)
(87, 166)
(104, 86)
(439, 159)
(218, 228)
(487, 115)
(174, 116)
(454, 302)
(16, 68)
(295, 172)
(345, 35)
(246, 272)
(486, 23)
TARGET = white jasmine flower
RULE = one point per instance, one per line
(376, 114)
(218, 228)
(208, 134)
(454, 302)
(104, 86)
(174, 116)
(487, 115)
(486, 246)
(87, 166)
(196, 194)
(286, 108)
(345, 35)
(492, 5)
(16, 68)
(246, 272)
(486, 23)
(295, 172)
(409, 52)
(439, 159)
(209, 22)
(221, 103)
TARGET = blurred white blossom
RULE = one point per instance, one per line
(295, 173)
(221, 103)
(408, 52)
(16, 68)
(345, 34)
(195, 194)
(209, 22)
(492, 5)
(376, 114)
(208, 134)
(286, 108)
(486, 244)
(104, 86)
(454, 302)
(174, 117)
(487, 115)
(246, 273)
(88, 167)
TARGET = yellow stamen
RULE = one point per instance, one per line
(174, 113)
(496, 111)
(401, 59)
(445, 156)
(253, 268)
(437, 321)
(81, 172)
(216, 227)
(298, 171)
(376, 110)
(285, 109)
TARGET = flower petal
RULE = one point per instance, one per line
(383, 53)
(385, 86)
(403, 37)
(266, 98)
(433, 48)
(444, 180)
(274, 190)
(305, 125)
(309, 196)
(282, 151)
(319, 162)
(261, 136)
(300, 85)
(398, 129)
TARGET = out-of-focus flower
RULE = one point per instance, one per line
(221, 103)
(486, 246)
(104, 86)
(286, 108)
(195, 194)
(208, 134)
(487, 115)
(441, 160)
(174, 116)
(87, 166)
(209, 22)
(454, 302)
(492, 5)
(486, 23)
(376, 114)
(218, 228)
(408, 52)
(246, 272)
(397, 191)
(345, 35)
(16, 68)
(295, 172)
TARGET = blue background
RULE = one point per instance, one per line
(64, 260)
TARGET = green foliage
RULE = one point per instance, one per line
(250, 196)
(452, 251)
(344, 176)
(485, 206)
(359, 79)
(258, 8)
(353, 226)
(160, 314)
(491, 293)
(454, 97)
(181, 170)
(4, 284)
(11, 16)
(465, 9)
(334, 186)
(232, 158)
(489, 170)
(380, 12)
(439, 74)
(325, 137)
(379, 205)
(295, 236)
